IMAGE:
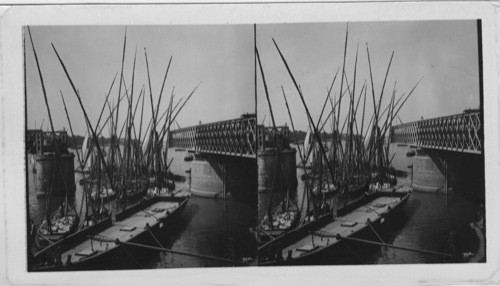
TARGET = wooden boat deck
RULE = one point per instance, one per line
(343, 225)
(124, 230)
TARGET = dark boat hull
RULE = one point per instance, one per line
(117, 257)
(323, 219)
(335, 253)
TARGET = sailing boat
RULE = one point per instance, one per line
(287, 215)
(322, 237)
(284, 218)
(85, 151)
(309, 149)
(361, 214)
(134, 168)
(64, 220)
(323, 234)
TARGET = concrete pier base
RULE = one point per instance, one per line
(442, 170)
(220, 176)
(205, 182)
(464, 172)
(427, 177)
(266, 161)
(64, 181)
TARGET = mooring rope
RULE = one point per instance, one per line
(99, 237)
(119, 242)
(381, 240)
(184, 186)
(338, 236)
(131, 256)
(46, 238)
(403, 183)
(371, 209)
(322, 233)
(149, 230)
(352, 252)
(150, 214)
(266, 233)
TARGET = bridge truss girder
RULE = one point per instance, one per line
(39, 141)
(237, 137)
(459, 133)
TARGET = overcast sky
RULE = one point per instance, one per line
(443, 53)
(220, 57)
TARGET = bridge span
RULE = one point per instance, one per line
(240, 137)
(455, 145)
(239, 150)
(459, 133)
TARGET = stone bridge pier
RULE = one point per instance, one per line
(225, 157)
(455, 146)
(228, 176)
(463, 172)
(236, 157)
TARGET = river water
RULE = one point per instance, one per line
(429, 221)
(209, 226)
(213, 227)
(221, 228)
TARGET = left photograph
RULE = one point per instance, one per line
(141, 147)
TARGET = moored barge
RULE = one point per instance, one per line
(99, 245)
(323, 237)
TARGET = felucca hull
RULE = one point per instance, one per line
(42, 241)
(329, 249)
(64, 226)
(276, 232)
(116, 256)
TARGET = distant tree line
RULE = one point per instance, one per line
(78, 141)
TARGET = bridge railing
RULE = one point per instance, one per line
(39, 141)
(235, 137)
(267, 137)
(460, 132)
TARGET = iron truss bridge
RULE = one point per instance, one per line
(239, 137)
(39, 141)
(459, 133)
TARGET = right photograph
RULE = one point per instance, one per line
(370, 144)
